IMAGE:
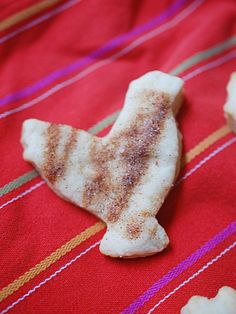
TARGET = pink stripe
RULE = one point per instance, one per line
(181, 267)
(114, 43)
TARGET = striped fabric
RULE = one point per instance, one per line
(70, 62)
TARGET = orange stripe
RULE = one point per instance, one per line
(51, 259)
(203, 145)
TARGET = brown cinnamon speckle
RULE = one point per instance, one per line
(153, 232)
(133, 230)
(55, 166)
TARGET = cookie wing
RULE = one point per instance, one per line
(61, 154)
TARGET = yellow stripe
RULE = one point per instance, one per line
(87, 233)
(24, 14)
(203, 145)
(51, 259)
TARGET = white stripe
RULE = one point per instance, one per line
(215, 259)
(102, 63)
(39, 20)
(210, 65)
(207, 158)
(31, 189)
(49, 278)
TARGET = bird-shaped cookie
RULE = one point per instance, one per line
(124, 177)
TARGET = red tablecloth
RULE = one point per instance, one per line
(70, 62)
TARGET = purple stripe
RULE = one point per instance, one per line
(176, 271)
(114, 43)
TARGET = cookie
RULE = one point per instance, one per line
(124, 177)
